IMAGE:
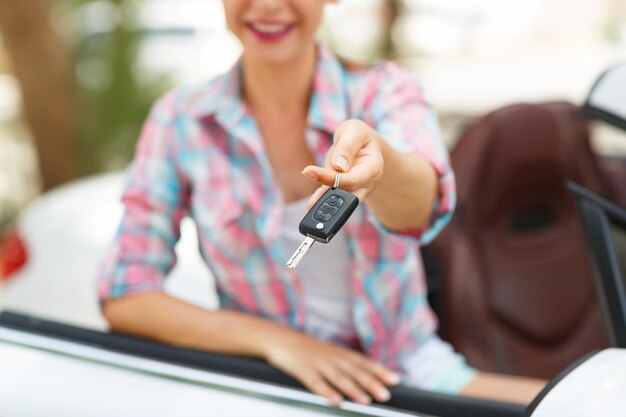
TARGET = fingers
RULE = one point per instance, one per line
(316, 383)
(380, 371)
(350, 137)
(359, 378)
(388, 377)
(360, 180)
(368, 381)
(360, 193)
(345, 383)
(350, 374)
(372, 376)
(350, 181)
(332, 371)
(363, 159)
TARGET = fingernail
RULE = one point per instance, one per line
(364, 399)
(310, 175)
(342, 163)
(336, 399)
(394, 378)
(383, 395)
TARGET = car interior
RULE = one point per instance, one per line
(498, 271)
(515, 243)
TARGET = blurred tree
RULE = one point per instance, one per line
(43, 68)
(114, 96)
(83, 99)
(392, 10)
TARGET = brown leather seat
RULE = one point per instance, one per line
(518, 295)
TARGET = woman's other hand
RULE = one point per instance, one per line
(329, 370)
(356, 153)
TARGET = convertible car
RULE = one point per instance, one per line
(58, 359)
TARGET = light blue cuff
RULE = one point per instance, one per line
(453, 381)
(423, 235)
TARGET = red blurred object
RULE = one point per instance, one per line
(13, 254)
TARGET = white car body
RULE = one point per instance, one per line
(67, 233)
(43, 376)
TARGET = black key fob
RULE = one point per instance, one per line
(328, 215)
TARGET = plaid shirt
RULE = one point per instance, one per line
(201, 153)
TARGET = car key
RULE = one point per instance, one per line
(324, 220)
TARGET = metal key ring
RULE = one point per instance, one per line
(336, 184)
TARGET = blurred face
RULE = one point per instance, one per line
(274, 31)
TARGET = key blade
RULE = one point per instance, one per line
(300, 252)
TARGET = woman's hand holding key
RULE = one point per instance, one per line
(356, 153)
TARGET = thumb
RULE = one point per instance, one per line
(348, 141)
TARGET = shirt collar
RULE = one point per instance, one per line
(328, 107)
(221, 98)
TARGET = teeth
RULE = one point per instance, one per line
(269, 28)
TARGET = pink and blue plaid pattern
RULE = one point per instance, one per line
(201, 154)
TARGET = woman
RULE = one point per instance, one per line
(246, 154)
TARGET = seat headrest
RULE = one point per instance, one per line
(515, 159)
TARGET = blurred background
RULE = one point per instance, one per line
(77, 77)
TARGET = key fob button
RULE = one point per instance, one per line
(327, 217)
(319, 215)
(329, 209)
(335, 201)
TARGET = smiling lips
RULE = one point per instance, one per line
(270, 31)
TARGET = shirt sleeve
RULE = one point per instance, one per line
(401, 115)
(155, 201)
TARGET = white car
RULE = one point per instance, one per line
(52, 369)
(51, 261)
(49, 368)
(53, 254)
